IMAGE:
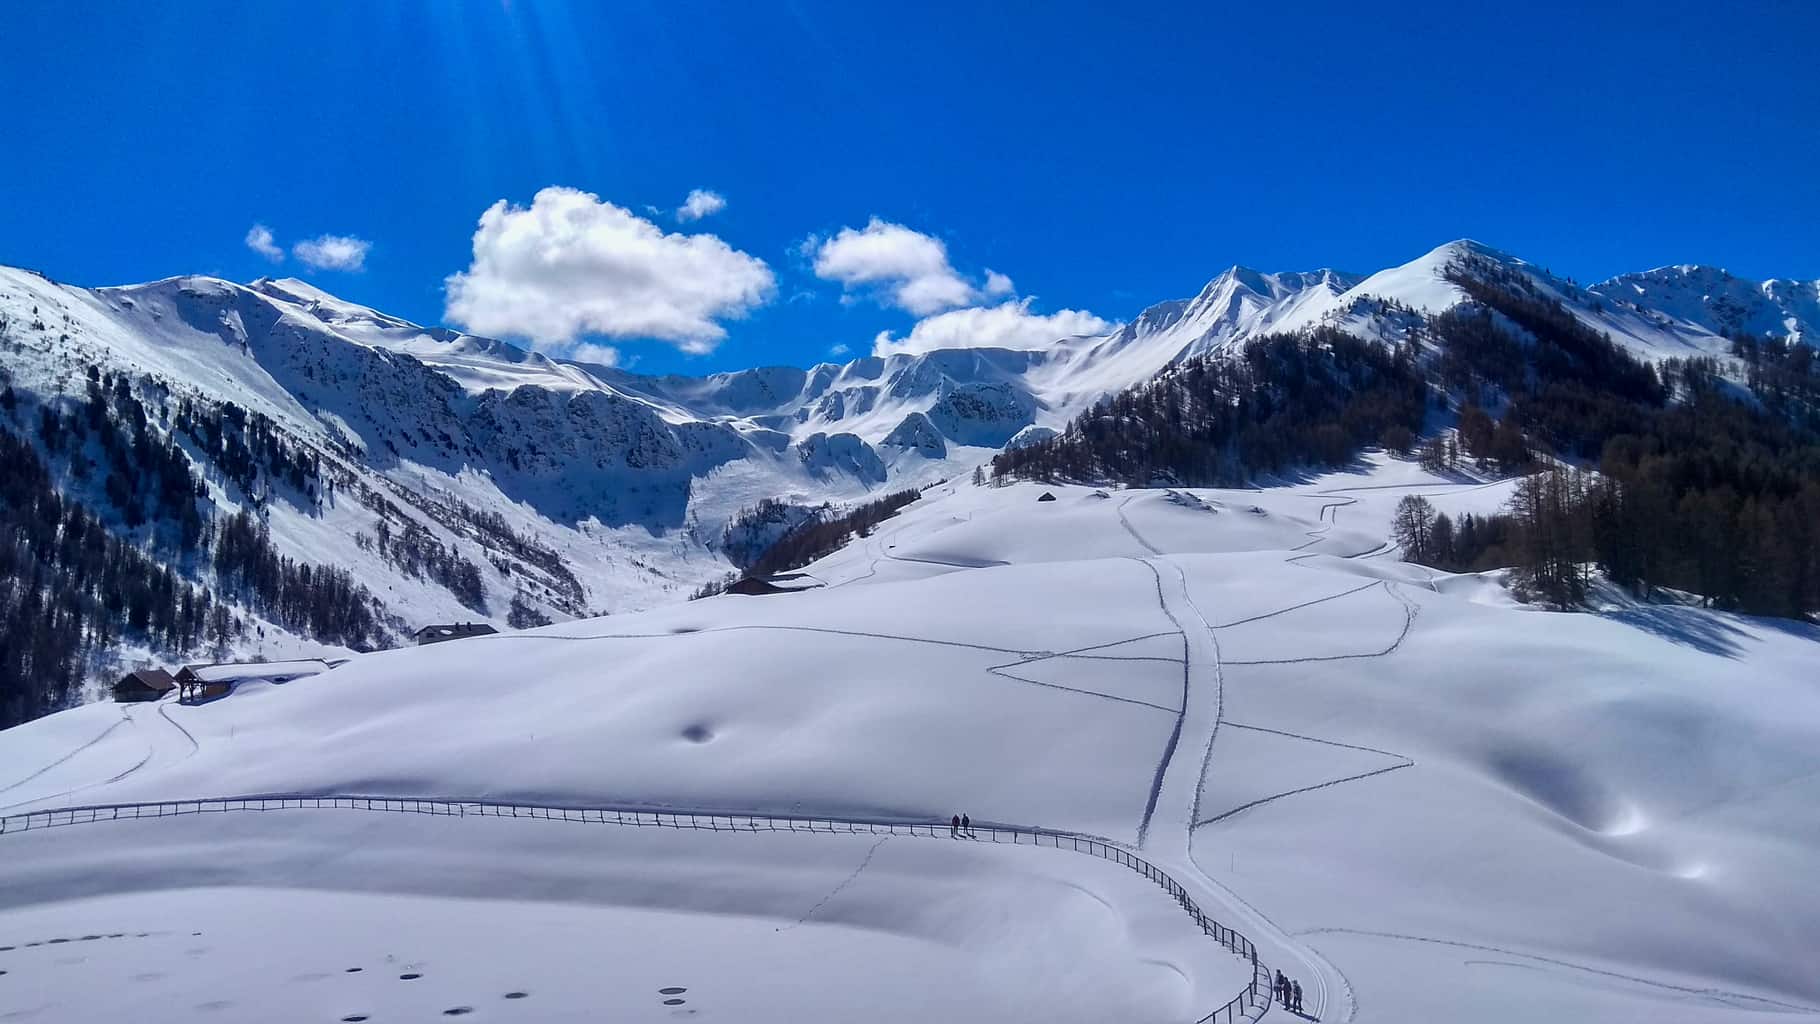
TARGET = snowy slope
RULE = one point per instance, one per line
(1422, 800)
(1421, 285)
(577, 488)
(1719, 302)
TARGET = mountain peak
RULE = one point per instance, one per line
(323, 306)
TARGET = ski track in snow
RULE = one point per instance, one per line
(1135, 535)
(1410, 611)
(1312, 960)
(1294, 607)
(1023, 657)
(1081, 655)
(1406, 762)
(836, 891)
(506, 637)
(1719, 994)
(1319, 966)
(194, 746)
(124, 720)
(152, 750)
(1175, 734)
(1329, 990)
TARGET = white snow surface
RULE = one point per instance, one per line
(1718, 301)
(1422, 800)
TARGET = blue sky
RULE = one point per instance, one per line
(1098, 157)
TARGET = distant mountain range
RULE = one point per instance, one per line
(560, 488)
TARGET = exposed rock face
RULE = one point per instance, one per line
(919, 435)
(822, 454)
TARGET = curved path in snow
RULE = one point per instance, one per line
(1176, 797)
(1179, 802)
(124, 719)
(1250, 1003)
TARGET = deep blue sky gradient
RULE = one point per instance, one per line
(1104, 156)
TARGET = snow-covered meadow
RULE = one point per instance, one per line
(1420, 799)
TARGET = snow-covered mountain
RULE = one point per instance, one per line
(571, 488)
(1720, 302)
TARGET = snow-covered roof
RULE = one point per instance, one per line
(154, 678)
(257, 670)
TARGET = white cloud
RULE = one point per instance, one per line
(259, 239)
(333, 252)
(572, 264)
(588, 352)
(1007, 325)
(910, 268)
(998, 284)
(838, 349)
(701, 203)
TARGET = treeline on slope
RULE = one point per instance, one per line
(151, 483)
(1563, 523)
(69, 588)
(818, 537)
(145, 473)
(1289, 401)
(147, 477)
(1784, 375)
(323, 602)
(1699, 487)
(753, 529)
(417, 553)
(241, 444)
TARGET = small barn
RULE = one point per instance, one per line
(143, 684)
(1046, 496)
(206, 682)
(436, 634)
(783, 583)
(753, 586)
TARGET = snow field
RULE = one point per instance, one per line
(1582, 794)
(910, 703)
(585, 920)
(1419, 799)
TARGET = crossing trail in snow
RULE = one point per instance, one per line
(1331, 754)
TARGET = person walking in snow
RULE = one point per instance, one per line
(967, 826)
(954, 827)
(1296, 987)
(1280, 989)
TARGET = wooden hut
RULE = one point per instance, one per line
(782, 583)
(143, 684)
(452, 631)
